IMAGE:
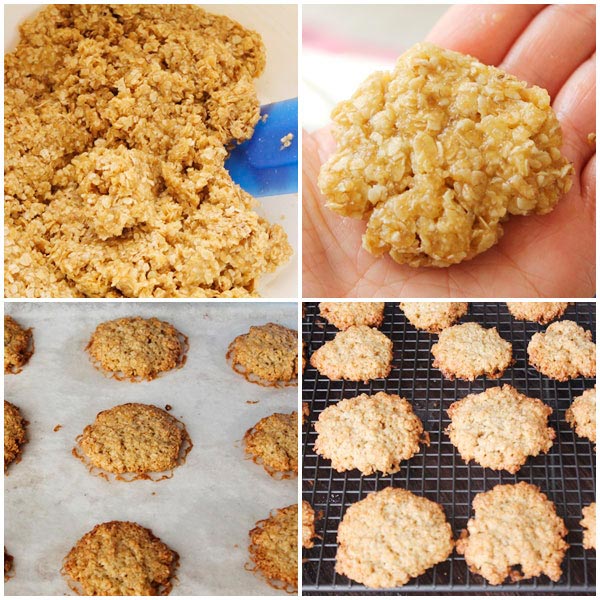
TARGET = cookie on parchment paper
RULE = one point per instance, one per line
(469, 350)
(8, 565)
(433, 316)
(588, 523)
(390, 537)
(120, 558)
(581, 415)
(18, 346)
(15, 434)
(308, 525)
(500, 428)
(564, 351)
(369, 433)
(345, 314)
(359, 353)
(538, 312)
(514, 533)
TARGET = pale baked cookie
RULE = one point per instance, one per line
(345, 314)
(359, 353)
(589, 526)
(308, 525)
(581, 415)
(469, 350)
(273, 442)
(514, 533)
(14, 434)
(500, 428)
(18, 346)
(137, 349)
(539, 312)
(369, 433)
(434, 316)
(564, 351)
(134, 438)
(274, 547)
(120, 558)
(390, 537)
(267, 355)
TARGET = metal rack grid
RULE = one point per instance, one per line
(566, 474)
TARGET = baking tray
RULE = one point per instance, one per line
(566, 474)
(212, 501)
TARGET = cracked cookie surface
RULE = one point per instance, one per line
(15, 434)
(434, 316)
(581, 415)
(538, 312)
(18, 346)
(345, 314)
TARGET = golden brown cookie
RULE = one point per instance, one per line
(273, 443)
(514, 533)
(18, 346)
(359, 353)
(369, 433)
(137, 349)
(564, 351)
(589, 526)
(581, 415)
(539, 312)
(305, 411)
(469, 350)
(120, 558)
(345, 314)
(500, 428)
(308, 525)
(267, 355)
(8, 565)
(434, 316)
(390, 537)
(14, 434)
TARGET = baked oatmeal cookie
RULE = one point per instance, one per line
(15, 434)
(18, 346)
(581, 415)
(305, 412)
(308, 525)
(273, 443)
(433, 316)
(469, 350)
(564, 351)
(359, 353)
(345, 314)
(439, 153)
(267, 355)
(515, 533)
(369, 433)
(137, 349)
(390, 537)
(8, 565)
(589, 526)
(120, 558)
(538, 312)
(500, 428)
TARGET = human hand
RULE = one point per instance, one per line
(538, 256)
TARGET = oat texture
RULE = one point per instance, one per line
(118, 120)
(589, 526)
(345, 314)
(305, 412)
(369, 433)
(390, 537)
(581, 415)
(359, 353)
(564, 351)
(515, 533)
(273, 442)
(135, 348)
(434, 316)
(469, 350)
(120, 558)
(437, 154)
(500, 428)
(540, 312)
(308, 525)
(18, 346)
(14, 434)
(267, 355)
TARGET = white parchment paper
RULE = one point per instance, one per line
(206, 510)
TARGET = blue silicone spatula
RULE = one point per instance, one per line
(265, 165)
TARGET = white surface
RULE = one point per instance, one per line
(278, 26)
(205, 511)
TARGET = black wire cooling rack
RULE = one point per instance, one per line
(566, 474)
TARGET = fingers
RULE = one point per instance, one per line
(485, 31)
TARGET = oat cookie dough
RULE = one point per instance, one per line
(18, 346)
(118, 120)
(137, 349)
(515, 533)
(581, 415)
(274, 547)
(539, 312)
(434, 316)
(564, 351)
(469, 350)
(437, 154)
(267, 355)
(359, 353)
(15, 434)
(120, 558)
(345, 314)
(390, 537)
(500, 428)
(134, 438)
(273, 442)
(589, 526)
(369, 433)
(308, 525)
